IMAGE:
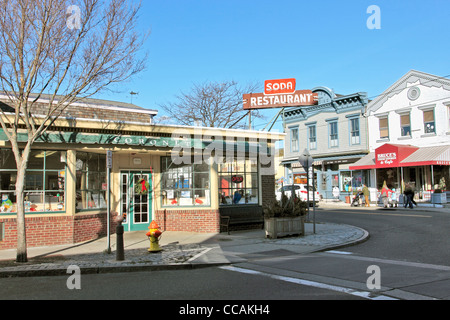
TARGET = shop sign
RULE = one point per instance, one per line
(237, 179)
(280, 93)
(282, 86)
(298, 98)
(386, 158)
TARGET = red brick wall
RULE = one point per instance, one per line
(56, 230)
(200, 220)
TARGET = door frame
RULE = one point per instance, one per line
(129, 224)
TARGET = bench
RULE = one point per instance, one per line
(241, 215)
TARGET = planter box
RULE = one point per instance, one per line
(439, 198)
(280, 227)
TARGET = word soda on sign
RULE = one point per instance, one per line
(281, 86)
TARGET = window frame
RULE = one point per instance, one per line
(41, 188)
(386, 127)
(247, 163)
(166, 164)
(425, 123)
(402, 126)
(92, 191)
(354, 130)
(312, 139)
(332, 144)
(295, 143)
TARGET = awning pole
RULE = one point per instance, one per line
(432, 178)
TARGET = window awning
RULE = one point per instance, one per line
(394, 155)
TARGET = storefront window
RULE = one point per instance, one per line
(346, 181)
(44, 182)
(184, 184)
(388, 175)
(91, 181)
(238, 182)
(441, 177)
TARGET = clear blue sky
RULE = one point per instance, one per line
(320, 43)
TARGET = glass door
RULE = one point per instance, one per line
(136, 200)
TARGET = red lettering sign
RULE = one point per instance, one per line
(281, 86)
(237, 179)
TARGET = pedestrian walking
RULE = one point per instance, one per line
(385, 193)
(366, 194)
(409, 197)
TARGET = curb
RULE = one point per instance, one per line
(62, 271)
(362, 239)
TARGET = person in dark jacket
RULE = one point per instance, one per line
(409, 197)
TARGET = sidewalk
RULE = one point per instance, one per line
(423, 206)
(181, 250)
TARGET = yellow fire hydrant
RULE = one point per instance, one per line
(154, 235)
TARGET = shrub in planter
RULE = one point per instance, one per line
(286, 207)
(285, 217)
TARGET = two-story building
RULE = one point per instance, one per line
(335, 134)
(409, 140)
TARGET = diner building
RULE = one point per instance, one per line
(409, 140)
(182, 177)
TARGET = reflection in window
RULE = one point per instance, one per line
(91, 181)
(44, 182)
(428, 121)
(184, 184)
(405, 123)
(238, 182)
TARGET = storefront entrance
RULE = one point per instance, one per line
(136, 199)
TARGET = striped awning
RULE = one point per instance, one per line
(425, 156)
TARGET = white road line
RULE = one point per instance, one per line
(339, 252)
(199, 255)
(363, 294)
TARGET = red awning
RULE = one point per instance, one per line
(395, 155)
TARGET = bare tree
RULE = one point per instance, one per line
(64, 51)
(214, 104)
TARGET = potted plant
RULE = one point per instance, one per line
(285, 217)
(438, 197)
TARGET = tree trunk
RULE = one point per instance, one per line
(21, 226)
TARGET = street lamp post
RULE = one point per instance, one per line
(306, 161)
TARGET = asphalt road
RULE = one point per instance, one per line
(409, 235)
(410, 249)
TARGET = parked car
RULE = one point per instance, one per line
(300, 191)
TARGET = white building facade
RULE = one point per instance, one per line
(409, 135)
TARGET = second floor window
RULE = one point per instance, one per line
(354, 131)
(384, 128)
(312, 143)
(294, 140)
(333, 129)
(405, 123)
(428, 121)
